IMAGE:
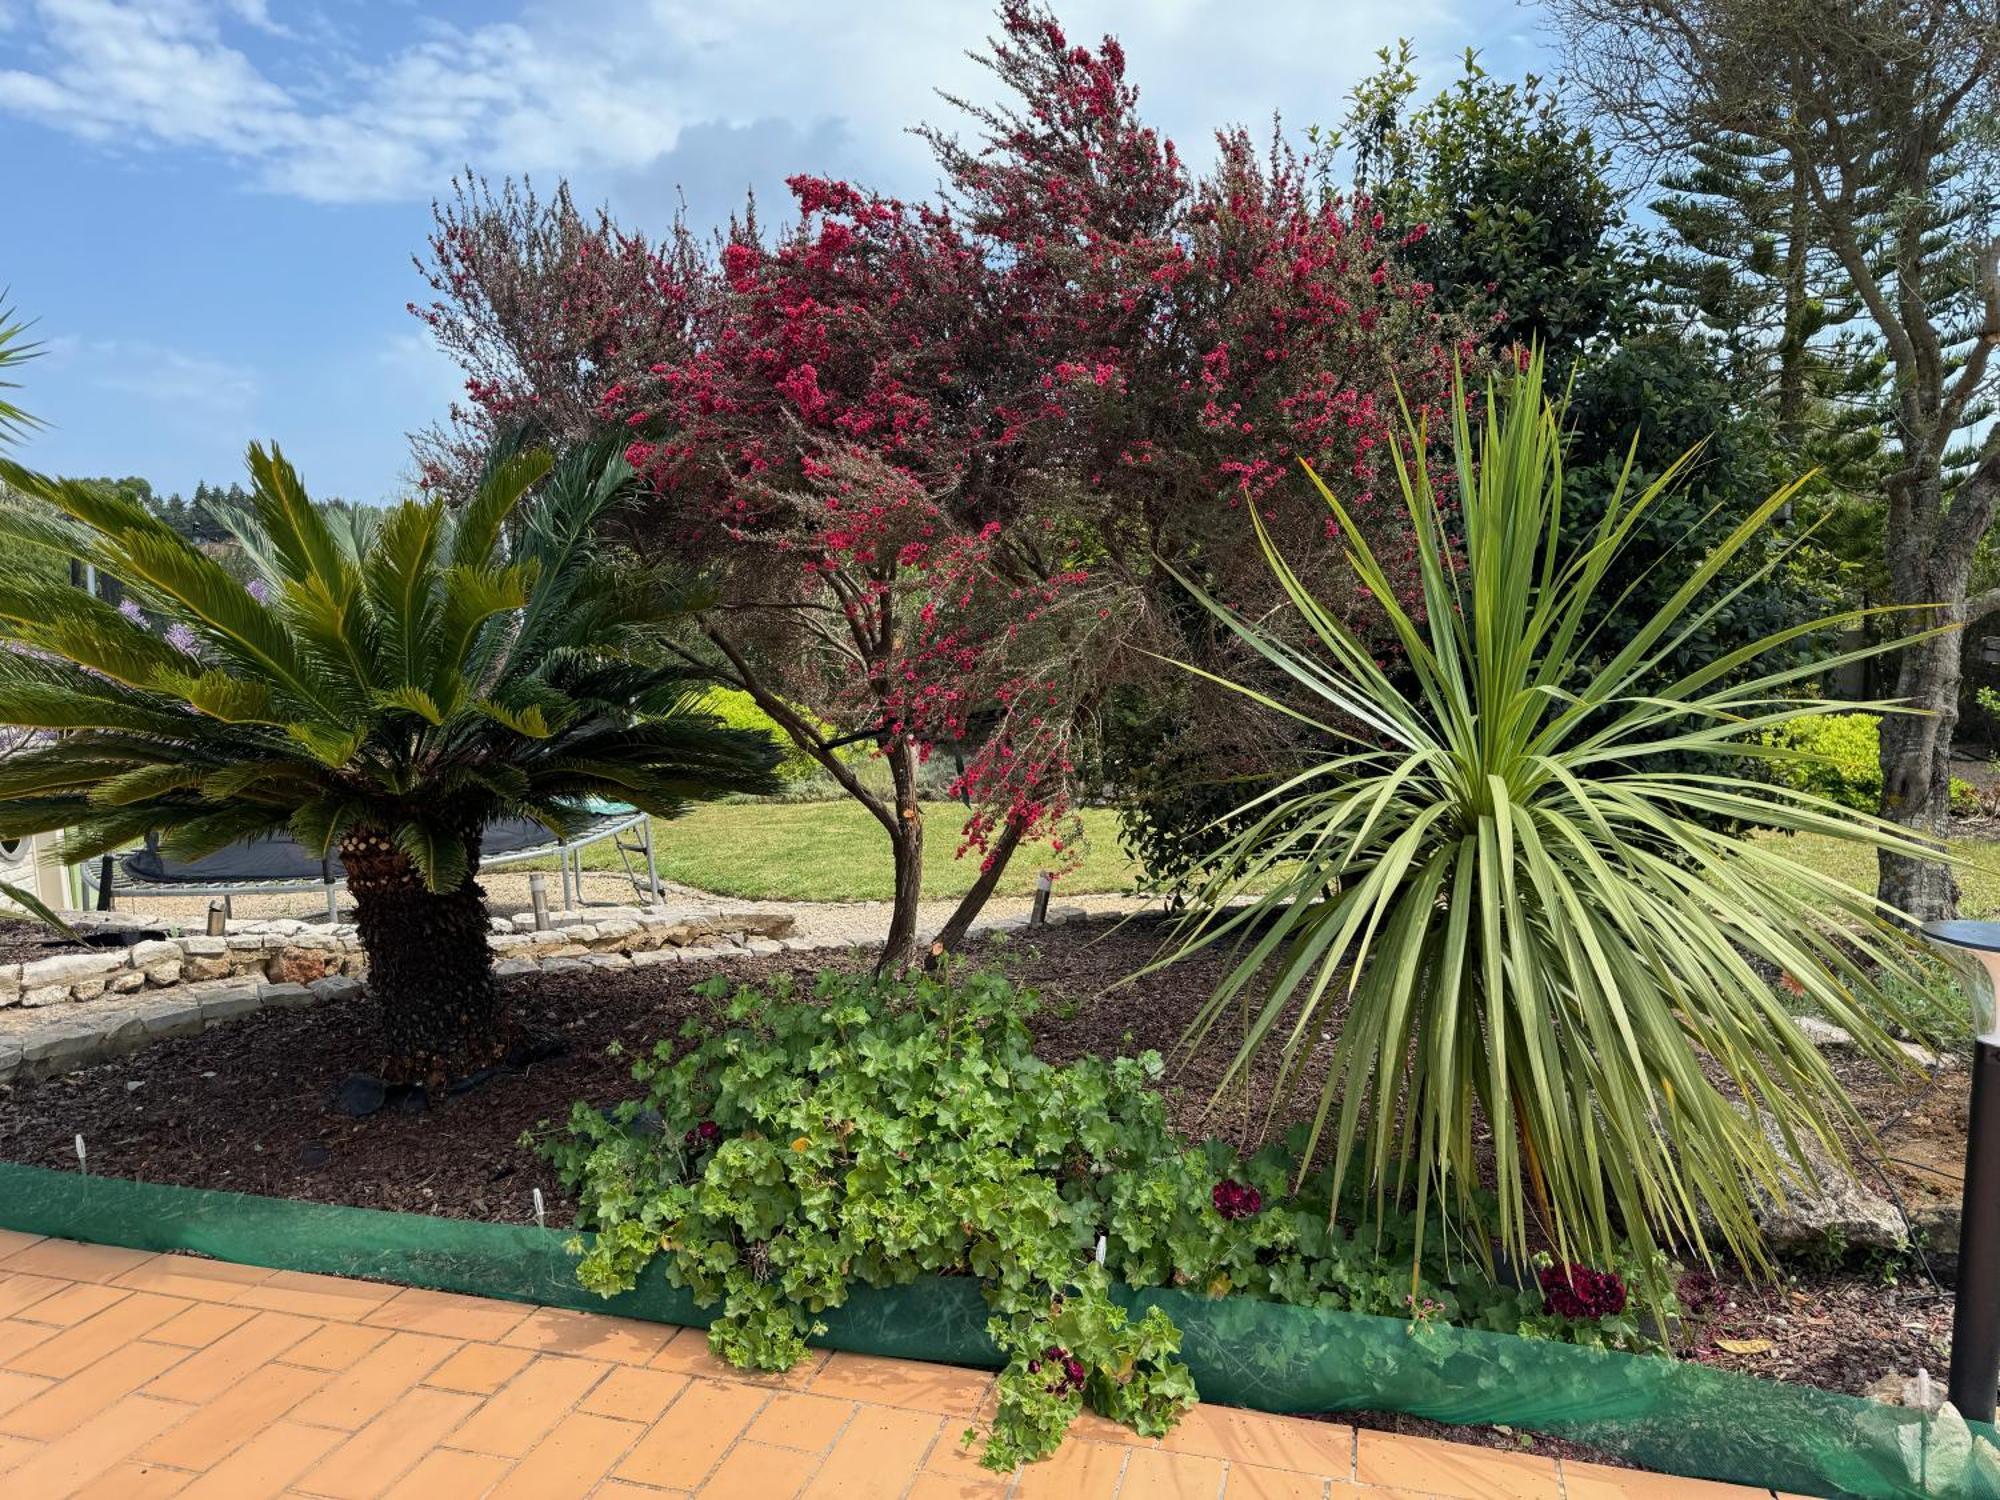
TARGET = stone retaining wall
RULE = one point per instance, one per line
(287, 951)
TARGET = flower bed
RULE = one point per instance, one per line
(888, 1129)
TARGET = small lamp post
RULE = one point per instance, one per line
(1974, 948)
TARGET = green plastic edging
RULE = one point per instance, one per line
(1674, 1416)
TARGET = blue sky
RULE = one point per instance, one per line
(213, 203)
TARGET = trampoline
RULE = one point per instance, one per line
(278, 865)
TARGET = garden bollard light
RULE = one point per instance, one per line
(538, 896)
(1044, 883)
(218, 919)
(104, 870)
(1974, 948)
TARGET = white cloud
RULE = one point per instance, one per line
(603, 88)
(158, 374)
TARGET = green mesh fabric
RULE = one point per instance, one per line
(1676, 1417)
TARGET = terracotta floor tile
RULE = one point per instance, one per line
(313, 1296)
(74, 1262)
(136, 1481)
(929, 1486)
(201, 1325)
(19, 1293)
(634, 1395)
(475, 1319)
(878, 1454)
(952, 1470)
(761, 1470)
(622, 1489)
(71, 1403)
(218, 1428)
(16, 1388)
(686, 1443)
(450, 1475)
(265, 1466)
(207, 1373)
(378, 1455)
(795, 1419)
(1255, 1437)
(16, 1451)
(13, 1242)
(1454, 1469)
(192, 1276)
(89, 1341)
(569, 1462)
(1255, 1482)
(625, 1341)
(514, 1419)
(100, 1444)
(1600, 1482)
(335, 1346)
(73, 1302)
(1153, 1474)
(17, 1337)
(688, 1353)
(364, 1390)
(479, 1368)
(902, 1382)
(1078, 1470)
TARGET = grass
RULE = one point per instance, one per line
(1978, 876)
(834, 851)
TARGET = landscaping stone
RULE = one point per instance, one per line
(10, 1059)
(159, 975)
(608, 961)
(654, 957)
(198, 967)
(1825, 1205)
(284, 996)
(71, 968)
(204, 947)
(220, 1004)
(335, 987)
(563, 964)
(127, 982)
(509, 968)
(296, 965)
(178, 1016)
(145, 955)
(66, 1042)
(48, 994)
(764, 946)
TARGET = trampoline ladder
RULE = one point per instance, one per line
(649, 888)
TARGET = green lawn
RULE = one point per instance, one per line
(834, 851)
(1978, 877)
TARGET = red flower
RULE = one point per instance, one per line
(1236, 1200)
(1579, 1291)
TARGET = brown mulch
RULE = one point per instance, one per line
(248, 1107)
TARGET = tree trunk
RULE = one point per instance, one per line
(1916, 748)
(906, 839)
(429, 967)
(951, 937)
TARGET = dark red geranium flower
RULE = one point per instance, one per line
(1236, 1200)
(1578, 1291)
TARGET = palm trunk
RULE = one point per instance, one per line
(429, 967)
(906, 840)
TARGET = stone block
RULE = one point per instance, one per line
(336, 987)
(45, 994)
(233, 1000)
(765, 946)
(283, 996)
(652, 958)
(204, 947)
(563, 965)
(163, 974)
(513, 968)
(145, 955)
(69, 968)
(176, 1016)
(296, 965)
(612, 961)
(126, 982)
(617, 929)
(10, 1059)
(62, 1044)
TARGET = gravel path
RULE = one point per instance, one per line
(862, 922)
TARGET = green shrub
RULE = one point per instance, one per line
(1843, 762)
(887, 1129)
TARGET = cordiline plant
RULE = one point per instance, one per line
(385, 685)
(1521, 889)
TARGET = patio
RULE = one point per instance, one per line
(132, 1375)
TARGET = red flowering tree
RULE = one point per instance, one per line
(935, 456)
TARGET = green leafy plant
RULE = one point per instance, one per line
(385, 685)
(1839, 757)
(1532, 930)
(880, 1130)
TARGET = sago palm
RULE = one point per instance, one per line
(388, 684)
(1519, 891)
